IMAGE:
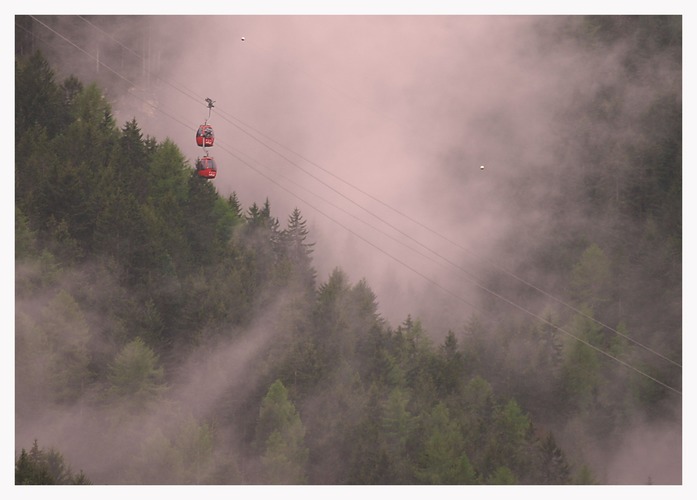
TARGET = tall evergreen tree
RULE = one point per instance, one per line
(554, 468)
(280, 434)
(397, 424)
(136, 376)
(297, 251)
(443, 459)
(39, 101)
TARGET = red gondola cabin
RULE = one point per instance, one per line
(205, 136)
(206, 167)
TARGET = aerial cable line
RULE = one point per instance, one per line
(354, 216)
(419, 273)
(81, 49)
(435, 283)
(179, 87)
(510, 302)
(113, 71)
(470, 276)
(521, 308)
(110, 37)
(187, 92)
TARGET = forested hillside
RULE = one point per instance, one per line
(165, 334)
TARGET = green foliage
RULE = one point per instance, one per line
(508, 438)
(25, 238)
(476, 405)
(396, 425)
(296, 261)
(443, 459)
(135, 374)
(52, 352)
(554, 467)
(38, 100)
(450, 367)
(40, 466)
(281, 435)
(502, 476)
(581, 369)
(584, 476)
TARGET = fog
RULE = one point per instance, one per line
(402, 110)
(108, 437)
(376, 128)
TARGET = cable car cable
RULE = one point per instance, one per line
(331, 203)
(419, 273)
(521, 308)
(493, 264)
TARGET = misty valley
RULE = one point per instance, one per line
(168, 331)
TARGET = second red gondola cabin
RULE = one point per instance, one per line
(206, 167)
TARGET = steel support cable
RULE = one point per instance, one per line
(499, 296)
(559, 301)
(114, 72)
(436, 233)
(454, 294)
(178, 87)
(521, 308)
(375, 246)
(354, 216)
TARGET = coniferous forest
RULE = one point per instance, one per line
(167, 334)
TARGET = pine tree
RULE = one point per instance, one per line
(502, 475)
(280, 436)
(507, 438)
(235, 205)
(298, 251)
(41, 467)
(580, 372)
(450, 367)
(554, 468)
(397, 424)
(442, 458)
(135, 375)
(39, 101)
